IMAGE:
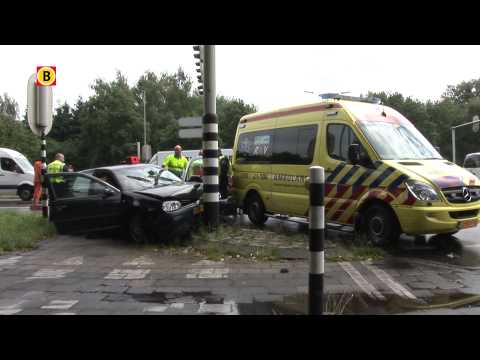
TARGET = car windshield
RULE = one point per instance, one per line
(141, 177)
(24, 164)
(398, 141)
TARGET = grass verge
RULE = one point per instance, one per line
(23, 231)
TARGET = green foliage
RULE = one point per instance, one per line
(22, 231)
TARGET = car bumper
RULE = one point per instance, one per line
(436, 220)
(177, 222)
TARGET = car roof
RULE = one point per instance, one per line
(11, 153)
(118, 167)
(472, 154)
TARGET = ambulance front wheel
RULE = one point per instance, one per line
(255, 210)
(381, 225)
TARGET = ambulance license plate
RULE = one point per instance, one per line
(468, 224)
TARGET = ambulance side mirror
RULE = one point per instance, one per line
(354, 155)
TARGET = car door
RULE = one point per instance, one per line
(83, 203)
(293, 153)
(9, 178)
(343, 181)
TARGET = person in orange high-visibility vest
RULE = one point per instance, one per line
(37, 181)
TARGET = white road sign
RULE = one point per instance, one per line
(194, 133)
(40, 107)
(190, 122)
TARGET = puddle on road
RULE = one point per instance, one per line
(451, 250)
(357, 304)
(167, 297)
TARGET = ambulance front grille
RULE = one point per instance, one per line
(455, 195)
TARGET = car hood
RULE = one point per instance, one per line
(182, 191)
(442, 173)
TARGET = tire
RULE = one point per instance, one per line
(381, 226)
(256, 210)
(25, 193)
(136, 230)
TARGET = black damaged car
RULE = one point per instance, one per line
(144, 200)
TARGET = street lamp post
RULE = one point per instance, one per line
(475, 121)
(144, 119)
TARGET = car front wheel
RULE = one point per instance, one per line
(136, 230)
(25, 193)
(381, 226)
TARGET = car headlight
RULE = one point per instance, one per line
(169, 206)
(422, 191)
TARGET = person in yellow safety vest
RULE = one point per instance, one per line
(58, 166)
(176, 163)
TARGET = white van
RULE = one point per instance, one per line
(472, 163)
(16, 174)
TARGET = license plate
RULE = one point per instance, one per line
(468, 224)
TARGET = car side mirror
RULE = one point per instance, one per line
(354, 155)
(107, 192)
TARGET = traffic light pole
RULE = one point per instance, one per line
(210, 142)
(44, 197)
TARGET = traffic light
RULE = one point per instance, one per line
(199, 54)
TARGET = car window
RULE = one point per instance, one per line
(77, 186)
(339, 138)
(8, 164)
(141, 177)
(294, 145)
(107, 177)
(255, 147)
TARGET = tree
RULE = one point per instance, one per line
(463, 92)
(9, 106)
(229, 112)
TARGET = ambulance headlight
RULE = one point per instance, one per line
(422, 191)
(169, 206)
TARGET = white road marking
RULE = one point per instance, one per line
(10, 261)
(60, 304)
(215, 270)
(367, 288)
(140, 261)
(177, 305)
(11, 308)
(218, 309)
(127, 274)
(50, 274)
(73, 261)
(208, 274)
(392, 284)
(65, 313)
(159, 308)
(9, 311)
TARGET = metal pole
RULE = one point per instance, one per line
(453, 146)
(43, 154)
(317, 236)
(144, 119)
(138, 150)
(210, 142)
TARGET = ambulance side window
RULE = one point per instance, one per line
(255, 147)
(294, 145)
(339, 138)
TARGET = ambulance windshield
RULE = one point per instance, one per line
(398, 141)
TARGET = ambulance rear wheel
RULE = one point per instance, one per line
(381, 226)
(256, 210)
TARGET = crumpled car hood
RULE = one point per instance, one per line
(182, 191)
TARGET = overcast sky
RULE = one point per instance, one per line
(267, 76)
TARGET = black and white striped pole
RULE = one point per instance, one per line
(317, 237)
(211, 193)
(44, 197)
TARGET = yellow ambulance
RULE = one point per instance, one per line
(382, 176)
